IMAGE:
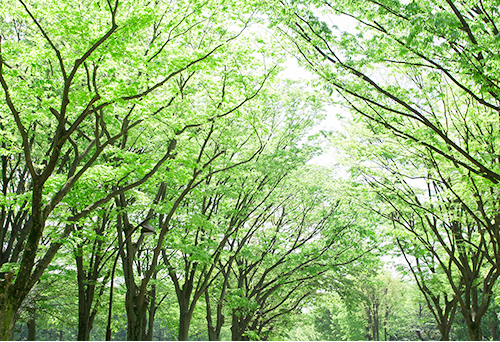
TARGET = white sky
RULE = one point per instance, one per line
(330, 123)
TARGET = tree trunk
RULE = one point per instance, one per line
(474, 330)
(12, 295)
(471, 313)
(136, 318)
(31, 330)
(493, 329)
(369, 325)
(214, 331)
(83, 307)
(152, 312)
(444, 330)
(135, 328)
(236, 332)
(87, 314)
(87, 282)
(239, 326)
(8, 309)
(32, 324)
(184, 322)
(83, 328)
(446, 318)
(186, 307)
(376, 323)
(212, 334)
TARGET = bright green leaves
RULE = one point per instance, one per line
(420, 82)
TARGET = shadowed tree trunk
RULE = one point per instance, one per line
(88, 281)
(31, 323)
(493, 327)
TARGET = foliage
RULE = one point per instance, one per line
(120, 116)
(420, 79)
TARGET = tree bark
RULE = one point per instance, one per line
(445, 319)
(83, 304)
(87, 284)
(474, 330)
(135, 327)
(472, 307)
(13, 294)
(369, 325)
(31, 330)
(8, 308)
(444, 330)
(152, 312)
(140, 315)
(493, 329)
(31, 324)
(137, 317)
(239, 325)
(376, 323)
(236, 331)
(184, 321)
(212, 334)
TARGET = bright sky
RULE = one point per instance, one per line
(296, 72)
(330, 123)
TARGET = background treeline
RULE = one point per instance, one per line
(156, 179)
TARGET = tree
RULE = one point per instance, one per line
(242, 201)
(92, 274)
(369, 304)
(223, 202)
(425, 270)
(49, 310)
(73, 88)
(233, 138)
(425, 73)
(443, 48)
(279, 264)
(448, 252)
(170, 195)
